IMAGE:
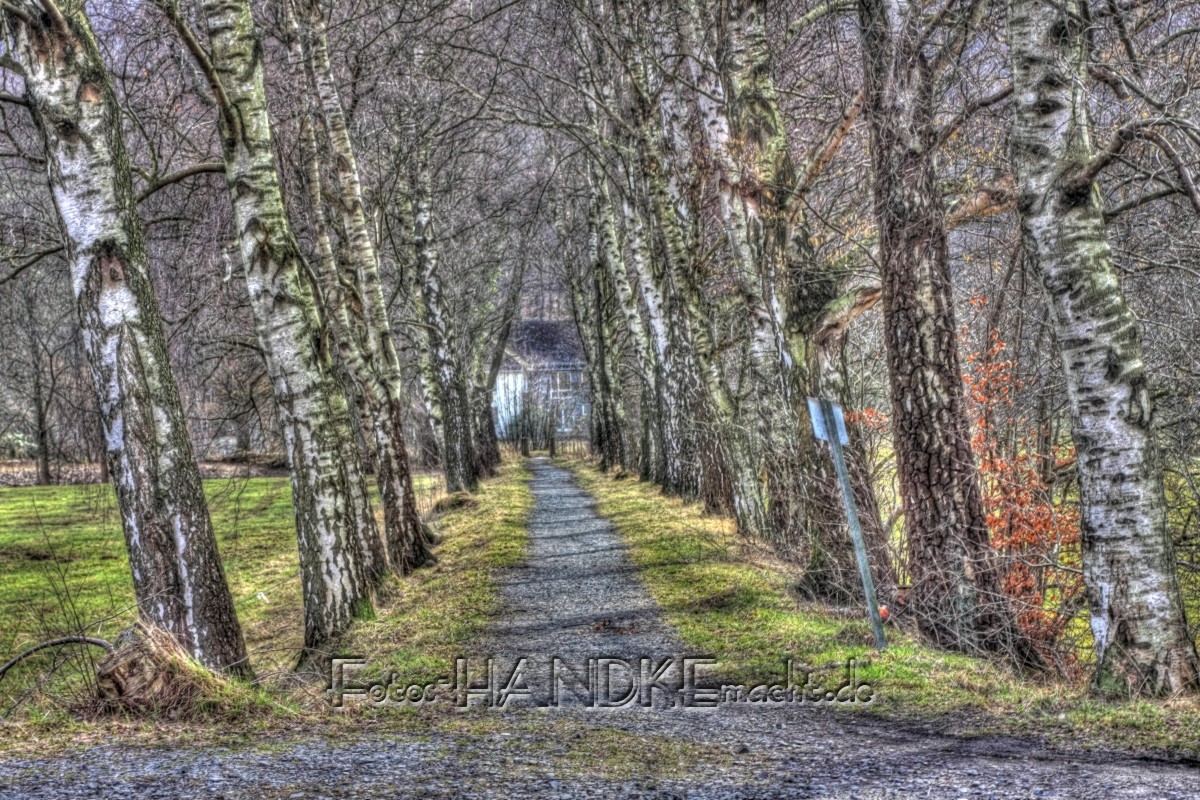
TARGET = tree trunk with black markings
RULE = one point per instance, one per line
(41, 397)
(449, 378)
(373, 360)
(784, 291)
(177, 574)
(487, 443)
(1137, 615)
(338, 540)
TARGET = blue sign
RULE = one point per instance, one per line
(820, 425)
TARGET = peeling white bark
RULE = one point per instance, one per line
(178, 579)
(1137, 616)
(362, 329)
(334, 525)
(449, 377)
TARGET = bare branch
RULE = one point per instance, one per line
(815, 15)
(1138, 129)
(1123, 34)
(1181, 167)
(1110, 79)
(54, 643)
(829, 146)
(35, 258)
(1138, 202)
(170, 10)
(17, 11)
(175, 177)
(969, 111)
(56, 16)
(1125, 134)
(995, 199)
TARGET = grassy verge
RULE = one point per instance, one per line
(734, 602)
(437, 613)
(64, 568)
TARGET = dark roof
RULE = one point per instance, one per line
(549, 344)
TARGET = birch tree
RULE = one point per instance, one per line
(645, 356)
(490, 360)
(681, 285)
(1142, 642)
(177, 574)
(449, 377)
(341, 552)
(784, 290)
(591, 301)
(372, 356)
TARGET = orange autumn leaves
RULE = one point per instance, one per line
(1032, 517)
(1033, 528)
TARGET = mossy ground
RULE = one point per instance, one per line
(731, 600)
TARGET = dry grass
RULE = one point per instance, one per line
(440, 612)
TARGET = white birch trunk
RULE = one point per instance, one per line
(671, 468)
(177, 575)
(450, 380)
(645, 356)
(334, 526)
(739, 459)
(375, 366)
(1137, 617)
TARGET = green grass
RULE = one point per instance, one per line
(734, 602)
(62, 554)
(438, 613)
(65, 569)
(426, 620)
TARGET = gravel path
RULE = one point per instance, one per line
(577, 597)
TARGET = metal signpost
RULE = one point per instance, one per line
(830, 426)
